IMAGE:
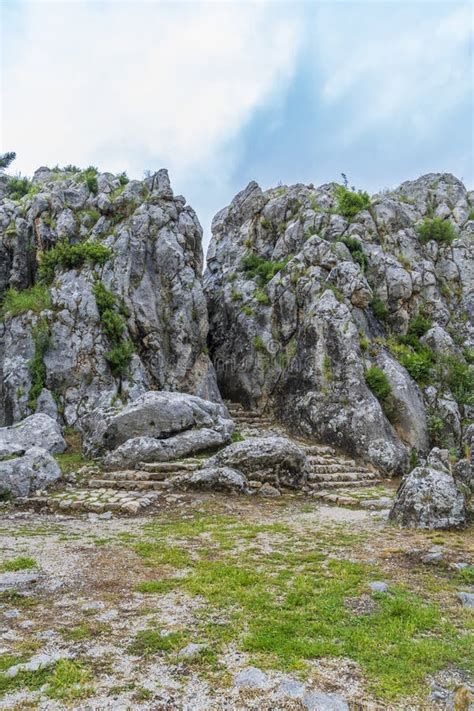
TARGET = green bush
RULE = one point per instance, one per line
(418, 326)
(355, 248)
(89, 177)
(378, 382)
(259, 344)
(41, 340)
(459, 377)
(36, 299)
(71, 256)
(379, 308)
(104, 298)
(113, 325)
(263, 269)
(18, 187)
(418, 365)
(261, 297)
(120, 357)
(123, 178)
(436, 229)
(350, 203)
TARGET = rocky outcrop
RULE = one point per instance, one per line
(429, 498)
(157, 426)
(212, 479)
(349, 317)
(107, 301)
(32, 431)
(275, 460)
(21, 474)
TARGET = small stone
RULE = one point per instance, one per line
(466, 598)
(253, 484)
(292, 688)
(11, 614)
(316, 701)
(269, 491)
(460, 566)
(432, 558)
(106, 516)
(40, 661)
(191, 650)
(26, 624)
(251, 678)
(378, 586)
(92, 606)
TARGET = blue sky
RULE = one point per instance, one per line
(221, 93)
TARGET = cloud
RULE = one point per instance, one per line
(140, 85)
(403, 66)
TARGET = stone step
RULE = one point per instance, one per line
(100, 501)
(342, 476)
(343, 484)
(184, 465)
(317, 449)
(339, 467)
(136, 485)
(135, 475)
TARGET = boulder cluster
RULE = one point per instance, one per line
(347, 318)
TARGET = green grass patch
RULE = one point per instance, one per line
(36, 299)
(20, 563)
(71, 256)
(151, 641)
(378, 382)
(436, 229)
(262, 269)
(349, 203)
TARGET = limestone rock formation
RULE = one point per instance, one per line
(276, 460)
(34, 430)
(349, 317)
(157, 426)
(100, 279)
(23, 473)
(429, 498)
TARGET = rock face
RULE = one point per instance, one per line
(275, 460)
(23, 474)
(308, 295)
(36, 429)
(157, 426)
(111, 303)
(429, 498)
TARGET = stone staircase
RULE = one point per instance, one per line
(333, 478)
(330, 472)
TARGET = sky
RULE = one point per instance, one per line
(223, 92)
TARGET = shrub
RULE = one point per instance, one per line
(41, 340)
(378, 382)
(436, 229)
(459, 377)
(350, 203)
(418, 364)
(113, 325)
(471, 214)
(258, 344)
(89, 177)
(17, 187)
(418, 326)
(6, 159)
(120, 357)
(263, 269)
(355, 248)
(261, 297)
(123, 178)
(104, 298)
(36, 299)
(71, 256)
(379, 309)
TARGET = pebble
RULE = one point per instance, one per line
(432, 558)
(251, 678)
(92, 606)
(191, 650)
(378, 586)
(316, 701)
(292, 688)
(11, 614)
(269, 491)
(466, 598)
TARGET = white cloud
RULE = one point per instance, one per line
(404, 65)
(140, 85)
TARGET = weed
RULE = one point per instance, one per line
(436, 229)
(20, 563)
(350, 203)
(36, 299)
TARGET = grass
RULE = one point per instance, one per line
(66, 681)
(349, 203)
(436, 229)
(20, 563)
(262, 269)
(36, 299)
(71, 256)
(286, 607)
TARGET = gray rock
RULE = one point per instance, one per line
(159, 417)
(251, 678)
(269, 491)
(466, 598)
(17, 579)
(26, 473)
(429, 498)
(433, 558)
(212, 479)
(39, 661)
(191, 651)
(34, 431)
(317, 701)
(378, 586)
(275, 460)
(291, 687)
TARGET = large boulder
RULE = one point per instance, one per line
(157, 426)
(276, 460)
(122, 321)
(429, 498)
(212, 479)
(23, 474)
(303, 300)
(35, 431)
